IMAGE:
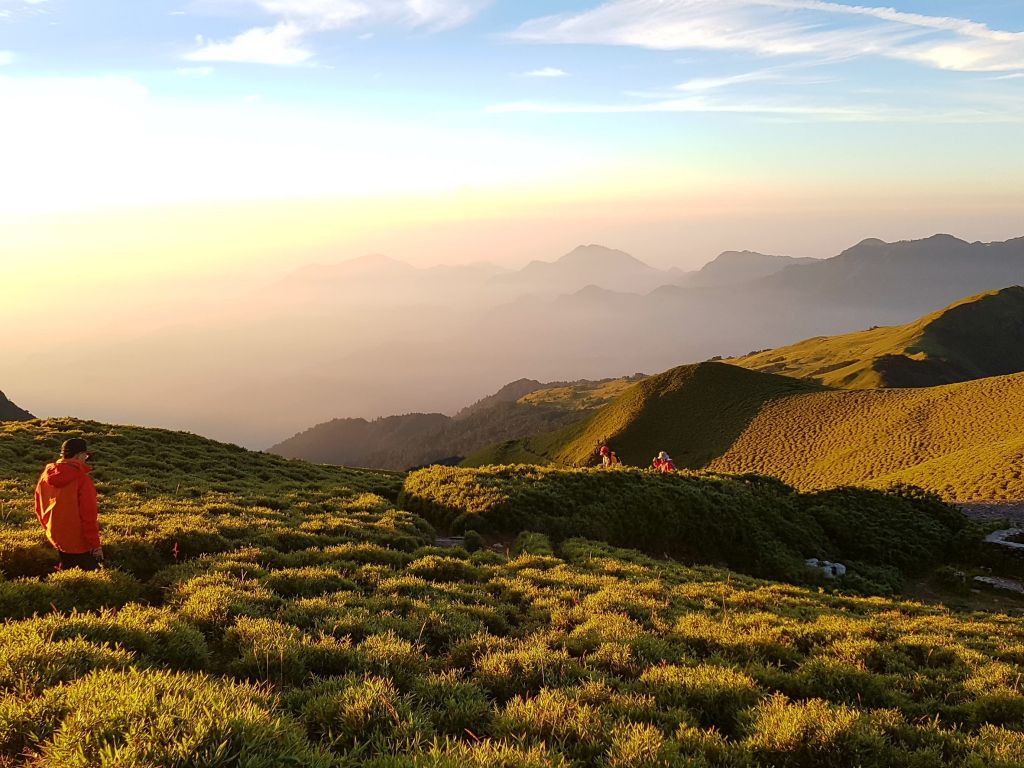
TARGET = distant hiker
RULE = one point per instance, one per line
(656, 464)
(606, 455)
(665, 463)
(66, 507)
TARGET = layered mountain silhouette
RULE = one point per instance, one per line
(979, 336)
(733, 267)
(518, 409)
(377, 337)
(10, 412)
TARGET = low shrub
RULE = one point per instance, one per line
(159, 718)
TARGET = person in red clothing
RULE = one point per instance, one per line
(66, 507)
(666, 464)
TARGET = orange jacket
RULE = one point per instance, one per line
(66, 506)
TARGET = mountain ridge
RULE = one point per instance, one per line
(11, 412)
(975, 337)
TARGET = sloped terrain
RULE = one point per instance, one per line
(521, 408)
(979, 336)
(11, 412)
(960, 440)
(695, 412)
(303, 619)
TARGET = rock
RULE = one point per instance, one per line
(1000, 584)
(450, 542)
(1002, 539)
(827, 568)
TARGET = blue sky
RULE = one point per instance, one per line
(110, 105)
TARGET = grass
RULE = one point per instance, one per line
(957, 440)
(309, 621)
(977, 337)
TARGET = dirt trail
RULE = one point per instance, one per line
(987, 511)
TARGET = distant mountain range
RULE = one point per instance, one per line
(583, 267)
(375, 336)
(976, 337)
(10, 412)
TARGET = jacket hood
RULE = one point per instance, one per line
(65, 471)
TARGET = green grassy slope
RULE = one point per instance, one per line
(694, 412)
(959, 440)
(308, 622)
(979, 336)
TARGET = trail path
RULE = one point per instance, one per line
(987, 511)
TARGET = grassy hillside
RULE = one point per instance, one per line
(979, 336)
(521, 408)
(307, 621)
(694, 412)
(749, 523)
(959, 440)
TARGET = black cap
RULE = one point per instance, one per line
(73, 447)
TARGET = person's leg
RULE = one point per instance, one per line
(84, 561)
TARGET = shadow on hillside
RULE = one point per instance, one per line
(698, 412)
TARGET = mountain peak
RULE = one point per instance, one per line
(10, 412)
(599, 255)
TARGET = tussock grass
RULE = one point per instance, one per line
(312, 623)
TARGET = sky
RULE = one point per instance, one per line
(191, 140)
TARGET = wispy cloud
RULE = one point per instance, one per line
(284, 42)
(776, 111)
(263, 45)
(546, 72)
(336, 14)
(811, 28)
(702, 84)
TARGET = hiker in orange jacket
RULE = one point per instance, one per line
(66, 507)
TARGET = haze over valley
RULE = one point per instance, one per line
(373, 336)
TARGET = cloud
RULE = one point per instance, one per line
(815, 28)
(694, 105)
(702, 84)
(546, 72)
(6, 57)
(281, 44)
(263, 45)
(313, 15)
(777, 111)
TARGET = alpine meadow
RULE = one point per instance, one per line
(494, 384)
